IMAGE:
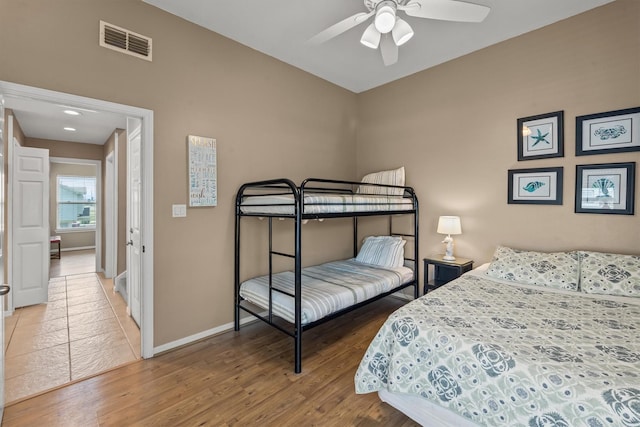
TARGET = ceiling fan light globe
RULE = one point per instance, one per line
(385, 18)
(371, 37)
(402, 32)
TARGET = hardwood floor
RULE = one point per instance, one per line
(234, 379)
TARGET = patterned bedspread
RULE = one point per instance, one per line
(507, 355)
(326, 288)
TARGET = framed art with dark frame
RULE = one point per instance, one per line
(541, 186)
(610, 132)
(541, 136)
(605, 188)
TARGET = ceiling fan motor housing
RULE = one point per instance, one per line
(385, 18)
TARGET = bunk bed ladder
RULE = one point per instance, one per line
(297, 294)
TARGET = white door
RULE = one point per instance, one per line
(4, 289)
(30, 248)
(134, 193)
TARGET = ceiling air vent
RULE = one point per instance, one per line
(125, 41)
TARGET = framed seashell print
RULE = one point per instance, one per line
(540, 186)
(610, 132)
(541, 136)
(605, 188)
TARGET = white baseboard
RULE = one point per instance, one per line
(201, 335)
(81, 248)
(228, 327)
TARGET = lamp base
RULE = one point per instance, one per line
(449, 258)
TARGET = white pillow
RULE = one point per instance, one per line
(383, 251)
(390, 177)
(558, 270)
(610, 274)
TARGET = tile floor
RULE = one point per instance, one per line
(83, 330)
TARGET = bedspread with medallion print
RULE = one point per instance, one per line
(505, 354)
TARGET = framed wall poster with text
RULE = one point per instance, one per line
(203, 184)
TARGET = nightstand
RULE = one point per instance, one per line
(444, 271)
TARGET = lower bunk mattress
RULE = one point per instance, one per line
(326, 288)
(497, 353)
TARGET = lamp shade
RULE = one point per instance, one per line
(449, 225)
(371, 37)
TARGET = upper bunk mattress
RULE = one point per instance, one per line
(326, 288)
(315, 203)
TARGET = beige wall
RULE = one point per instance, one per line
(454, 128)
(121, 162)
(66, 149)
(68, 239)
(122, 201)
(269, 120)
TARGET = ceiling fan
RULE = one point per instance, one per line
(388, 31)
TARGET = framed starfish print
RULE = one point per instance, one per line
(541, 136)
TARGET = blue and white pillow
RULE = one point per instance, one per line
(383, 251)
(610, 274)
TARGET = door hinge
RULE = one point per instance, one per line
(142, 248)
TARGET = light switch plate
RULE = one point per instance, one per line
(179, 211)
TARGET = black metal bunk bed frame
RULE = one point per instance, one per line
(283, 186)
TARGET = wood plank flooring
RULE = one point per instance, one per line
(234, 379)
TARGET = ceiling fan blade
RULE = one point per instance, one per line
(340, 27)
(446, 10)
(389, 50)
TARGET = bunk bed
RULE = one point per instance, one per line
(297, 300)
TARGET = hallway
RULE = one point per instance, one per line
(83, 330)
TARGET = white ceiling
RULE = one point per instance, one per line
(46, 120)
(282, 28)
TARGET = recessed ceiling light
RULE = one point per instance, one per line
(72, 112)
(70, 129)
(75, 108)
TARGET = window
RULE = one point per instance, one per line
(76, 202)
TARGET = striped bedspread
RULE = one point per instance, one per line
(326, 288)
(325, 203)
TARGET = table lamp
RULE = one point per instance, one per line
(449, 225)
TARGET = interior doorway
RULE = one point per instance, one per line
(146, 206)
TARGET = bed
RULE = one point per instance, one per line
(301, 298)
(531, 339)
